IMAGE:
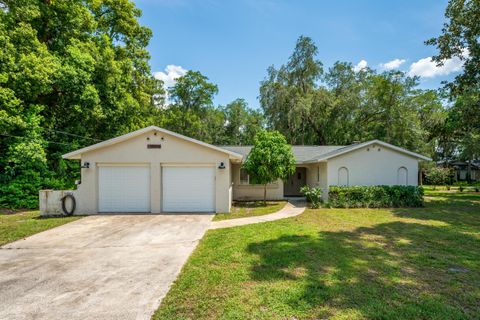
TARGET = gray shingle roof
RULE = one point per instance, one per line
(312, 154)
(301, 153)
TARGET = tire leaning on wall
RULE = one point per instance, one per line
(64, 207)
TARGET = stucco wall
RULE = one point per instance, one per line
(254, 192)
(50, 202)
(313, 177)
(134, 151)
(369, 166)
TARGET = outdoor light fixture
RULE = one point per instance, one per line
(85, 165)
(221, 166)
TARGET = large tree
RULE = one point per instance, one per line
(242, 123)
(71, 73)
(343, 105)
(191, 111)
(287, 93)
(460, 39)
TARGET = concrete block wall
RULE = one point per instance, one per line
(50, 201)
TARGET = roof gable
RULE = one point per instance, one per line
(353, 147)
(77, 153)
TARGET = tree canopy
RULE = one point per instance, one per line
(271, 158)
(339, 106)
(460, 39)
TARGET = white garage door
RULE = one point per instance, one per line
(124, 189)
(188, 189)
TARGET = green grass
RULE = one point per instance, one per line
(19, 225)
(242, 209)
(421, 263)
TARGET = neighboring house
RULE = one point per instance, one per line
(156, 170)
(461, 170)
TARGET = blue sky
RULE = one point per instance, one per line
(233, 42)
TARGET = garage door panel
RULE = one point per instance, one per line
(188, 189)
(124, 189)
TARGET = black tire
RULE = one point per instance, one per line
(64, 207)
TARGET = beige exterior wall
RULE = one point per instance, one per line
(174, 151)
(275, 191)
(317, 176)
(254, 192)
(373, 167)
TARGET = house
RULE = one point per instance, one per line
(156, 170)
(461, 169)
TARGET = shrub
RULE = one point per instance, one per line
(313, 195)
(438, 176)
(375, 196)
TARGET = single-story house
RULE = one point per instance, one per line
(462, 170)
(155, 170)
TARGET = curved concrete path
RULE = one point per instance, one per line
(288, 211)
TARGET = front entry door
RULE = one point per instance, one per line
(292, 185)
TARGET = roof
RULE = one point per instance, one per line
(313, 154)
(301, 153)
(474, 164)
(77, 153)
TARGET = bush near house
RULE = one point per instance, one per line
(313, 196)
(375, 196)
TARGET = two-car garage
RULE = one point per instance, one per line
(153, 170)
(183, 188)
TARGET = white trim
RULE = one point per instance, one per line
(364, 144)
(77, 153)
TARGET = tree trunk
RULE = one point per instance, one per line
(469, 171)
(265, 194)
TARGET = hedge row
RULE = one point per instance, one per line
(375, 196)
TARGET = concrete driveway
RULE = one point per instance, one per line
(98, 267)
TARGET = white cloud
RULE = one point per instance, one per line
(426, 68)
(394, 64)
(360, 66)
(172, 72)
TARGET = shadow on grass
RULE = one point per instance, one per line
(394, 270)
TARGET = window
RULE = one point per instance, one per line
(343, 176)
(244, 177)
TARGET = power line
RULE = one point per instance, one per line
(73, 135)
(8, 135)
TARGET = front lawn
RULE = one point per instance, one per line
(19, 225)
(242, 209)
(415, 263)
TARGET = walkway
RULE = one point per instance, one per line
(288, 211)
